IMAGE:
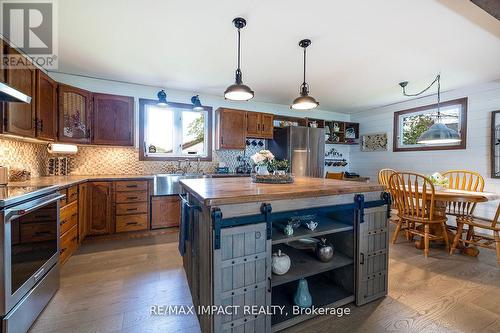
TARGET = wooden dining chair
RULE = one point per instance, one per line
(487, 237)
(335, 175)
(463, 180)
(384, 175)
(414, 197)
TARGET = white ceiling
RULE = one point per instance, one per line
(360, 49)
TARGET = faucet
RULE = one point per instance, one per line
(179, 168)
(198, 170)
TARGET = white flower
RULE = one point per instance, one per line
(263, 157)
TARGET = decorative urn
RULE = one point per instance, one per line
(324, 251)
(280, 263)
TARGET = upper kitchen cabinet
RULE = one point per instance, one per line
(46, 107)
(19, 118)
(259, 125)
(113, 120)
(231, 128)
(75, 114)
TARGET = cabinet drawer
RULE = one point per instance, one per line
(72, 194)
(69, 217)
(132, 208)
(133, 196)
(38, 232)
(131, 186)
(69, 243)
(131, 222)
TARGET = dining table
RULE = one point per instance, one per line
(444, 197)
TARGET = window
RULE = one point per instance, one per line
(410, 124)
(174, 132)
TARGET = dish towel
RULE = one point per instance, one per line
(184, 227)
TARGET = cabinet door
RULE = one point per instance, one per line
(242, 276)
(100, 208)
(232, 128)
(266, 125)
(74, 114)
(113, 120)
(373, 256)
(20, 117)
(253, 125)
(46, 106)
(165, 212)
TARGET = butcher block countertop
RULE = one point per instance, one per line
(66, 181)
(223, 191)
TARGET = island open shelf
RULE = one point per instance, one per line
(325, 226)
(324, 290)
(305, 264)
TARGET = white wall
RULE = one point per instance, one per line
(482, 100)
(148, 92)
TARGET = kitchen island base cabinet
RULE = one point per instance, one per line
(228, 249)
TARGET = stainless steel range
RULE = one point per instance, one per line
(29, 264)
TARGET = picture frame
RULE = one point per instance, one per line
(374, 142)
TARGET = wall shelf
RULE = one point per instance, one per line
(325, 226)
(305, 264)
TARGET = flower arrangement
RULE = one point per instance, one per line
(438, 180)
(263, 157)
(283, 165)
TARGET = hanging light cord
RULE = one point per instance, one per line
(304, 83)
(438, 80)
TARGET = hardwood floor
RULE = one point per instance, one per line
(110, 287)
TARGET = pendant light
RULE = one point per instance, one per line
(304, 101)
(195, 100)
(162, 98)
(239, 91)
(438, 133)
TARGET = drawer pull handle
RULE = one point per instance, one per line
(43, 216)
(131, 186)
(63, 222)
(132, 198)
(74, 215)
(62, 251)
(41, 233)
(131, 209)
(132, 223)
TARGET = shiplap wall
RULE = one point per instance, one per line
(482, 99)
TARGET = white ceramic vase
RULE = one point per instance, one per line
(261, 170)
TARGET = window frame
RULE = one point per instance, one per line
(142, 155)
(463, 127)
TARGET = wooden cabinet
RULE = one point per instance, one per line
(267, 125)
(132, 201)
(83, 209)
(68, 244)
(113, 120)
(100, 208)
(165, 212)
(231, 128)
(19, 118)
(45, 106)
(74, 114)
(259, 125)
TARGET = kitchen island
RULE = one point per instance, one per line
(230, 228)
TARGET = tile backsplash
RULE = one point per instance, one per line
(23, 155)
(94, 160)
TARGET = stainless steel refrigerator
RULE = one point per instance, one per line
(304, 147)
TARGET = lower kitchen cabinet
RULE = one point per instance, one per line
(165, 211)
(99, 218)
(68, 244)
(69, 223)
(131, 206)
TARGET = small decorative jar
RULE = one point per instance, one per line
(288, 230)
(280, 263)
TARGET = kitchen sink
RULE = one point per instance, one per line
(168, 184)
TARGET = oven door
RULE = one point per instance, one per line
(30, 245)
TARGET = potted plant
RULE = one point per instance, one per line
(280, 167)
(262, 160)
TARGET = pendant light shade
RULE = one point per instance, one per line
(162, 98)
(239, 91)
(304, 101)
(195, 100)
(438, 133)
